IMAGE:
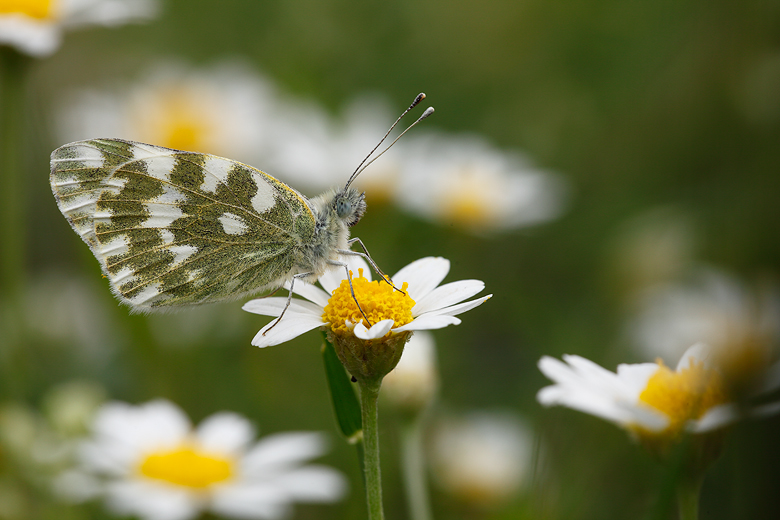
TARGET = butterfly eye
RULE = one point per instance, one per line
(343, 208)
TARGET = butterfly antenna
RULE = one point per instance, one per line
(428, 111)
(416, 102)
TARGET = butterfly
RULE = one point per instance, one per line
(172, 228)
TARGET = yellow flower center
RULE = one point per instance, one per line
(176, 118)
(188, 467)
(683, 395)
(40, 9)
(467, 202)
(377, 299)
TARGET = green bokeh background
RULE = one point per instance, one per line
(641, 105)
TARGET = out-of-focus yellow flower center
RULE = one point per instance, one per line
(380, 186)
(465, 201)
(377, 299)
(176, 120)
(684, 395)
(186, 466)
(40, 9)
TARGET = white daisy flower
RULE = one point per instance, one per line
(364, 121)
(150, 462)
(35, 27)
(422, 305)
(301, 145)
(482, 458)
(466, 182)
(225, 110)
(741, 326)
(648, 399)
(315, 151)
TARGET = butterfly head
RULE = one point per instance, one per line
(350, 205)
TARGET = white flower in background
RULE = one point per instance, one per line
(364, 123)
(301, 146)
(483, 458)
(314, 151)
(465, 182)
(423, 304)
(224, 110)
(413, 383)
(35, 26)
(648, 399)
(148, 461)
(742, 327)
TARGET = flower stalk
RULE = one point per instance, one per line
(13, 74)
(369, 394)
(13, 67)
(688, 494)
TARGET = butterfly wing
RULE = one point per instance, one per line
(179, 228)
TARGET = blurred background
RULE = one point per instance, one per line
(608, 168)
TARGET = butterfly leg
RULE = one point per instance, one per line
(289, 299)
(352, 289)
(367, 256)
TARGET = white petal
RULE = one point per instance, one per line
(698, 353)
(590, 388)
(152, 501)
(460, 308)
(31, 37)
(423, 275)
(287, 328)
(282, 450)
(108, 13)
(583, 401)
(377, 330)
(557, 370)
(617, 385)
(429, 322)
(634, 378)
(154, 424)
(622, 388)
(332, 278)
(311, 292)
(116, 459)
(715, 418)
(225, 432)
(250, 501)
(313, 483)
(447, 294)
(645, 416)
(275, 306)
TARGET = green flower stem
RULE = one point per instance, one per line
(414, 469)
(369, 393)
(688, 491)
(12, 129)
(13, 74)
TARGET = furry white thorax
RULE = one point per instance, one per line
(331, 232)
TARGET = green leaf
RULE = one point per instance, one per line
(342, 392)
